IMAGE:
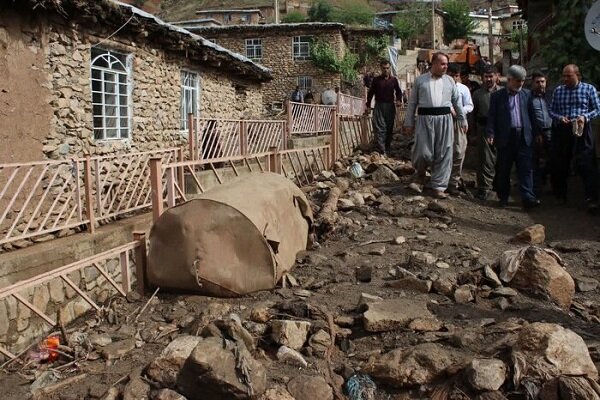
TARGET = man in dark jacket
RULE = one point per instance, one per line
(542, 129)
(509, 127)
(386, 90)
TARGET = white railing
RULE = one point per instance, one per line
(310, 119)
(350, 105)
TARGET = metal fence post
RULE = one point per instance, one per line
(140, 262)
(335, 136)
(157, 187)
(364, 131)
(243, 138)
(191, 136)
(290, 119)
(316, 112)
(274, 160)
(89, 203)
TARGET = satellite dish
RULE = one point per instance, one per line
(592, 26)
(329, 97)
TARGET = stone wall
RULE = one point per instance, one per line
(55, 70)
(277, 54)
(19, 326)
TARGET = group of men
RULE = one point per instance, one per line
(514, 126)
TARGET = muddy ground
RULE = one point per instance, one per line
(466, 236)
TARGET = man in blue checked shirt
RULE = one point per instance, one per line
(574, 105)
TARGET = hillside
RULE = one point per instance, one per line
(177, 10)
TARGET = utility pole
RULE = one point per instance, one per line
(490, 35)
(276, 11)
(433, 24)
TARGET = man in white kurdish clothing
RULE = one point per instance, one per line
(433, 96)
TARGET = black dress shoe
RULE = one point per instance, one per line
(529, 204)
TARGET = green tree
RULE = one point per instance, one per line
(354, 12)
(293, 17)
(412, 21)
(563, 41)
(320, 11)
(325, 58)
(457, 22)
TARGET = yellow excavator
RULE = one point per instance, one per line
(465, 54)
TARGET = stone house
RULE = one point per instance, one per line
(424, 40)
(505, 20)
(233, 16)
(286, 50)
(100, 77)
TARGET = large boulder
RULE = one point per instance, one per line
(221, 370)
(539, 272)
(544, 351)
(570, 388)
(304, 387)
(165, 368)
(396, 313)
(486, 374)
(534, 234)
(419, 365)
(292, 334)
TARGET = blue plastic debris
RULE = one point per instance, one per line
(361, 387)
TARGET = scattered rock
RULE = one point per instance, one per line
(118, 349)
(345, 321)
(167, 394)
(442, 265)
(491, 277)
(136, 389)
(423, 258)
(383, 174)
(395, 313)
(400, 240)
(277, 393)
(310, 388)
(546, 350)
(165, 368)
(444, 285)
(425, 325)
(291, 356)
(100, 340)
(540, 273)
(378, 251)
(534, 234)
(463, 294)
(486, 374)
(366, 299)
(418, 365)
(585, 284)
(345, 204)
(491, 396)
(411, 284)
(303, 293)
(44, 379)
(440, 207)
(364, 273)
(502, 303)
(260, 314)
(211, 372)
(570, 388)
(320, 342)
(290, 333)
(504, 292)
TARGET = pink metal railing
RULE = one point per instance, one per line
(38, 198)
(350, 105)
(310, 119)
(45, 197)
(214, 139)
(122, 182)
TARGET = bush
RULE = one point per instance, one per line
(354, 12)
(457, 22)
(320, 11)
(293, 17)
(324, 57)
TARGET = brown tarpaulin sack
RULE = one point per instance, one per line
(237, 238)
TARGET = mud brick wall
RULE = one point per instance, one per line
(45, 94)
(19, 326)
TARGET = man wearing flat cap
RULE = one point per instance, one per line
(509, 128)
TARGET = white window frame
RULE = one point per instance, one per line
(305, 82)
(189, 91)
(254, 49)
(301, 47)
(111, 86)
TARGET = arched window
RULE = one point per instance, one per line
(111, 95)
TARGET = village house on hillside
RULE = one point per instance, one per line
(99, 77)
(233, 16)
(286, 50)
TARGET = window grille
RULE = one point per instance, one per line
(301, 46)
(254, 49)
(189, 97)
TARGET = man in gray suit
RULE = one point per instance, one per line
(433, 96)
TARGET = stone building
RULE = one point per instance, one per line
(233, 16)
(285, 50)
(99, 77)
